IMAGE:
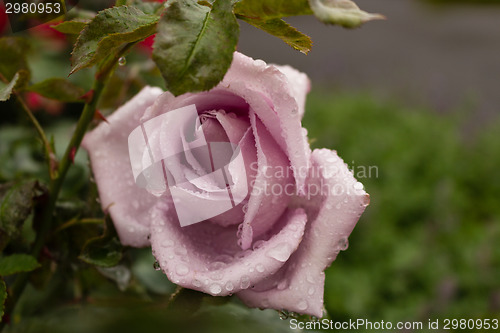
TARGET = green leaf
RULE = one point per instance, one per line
(194, 45)
(70, 27)
(341, 12)
(18, 81)
(108, 31)
(102, 251)
(58, 89)
(13, 56)
(271, 9)
(16, 204)
(17, 263)
(284, 31)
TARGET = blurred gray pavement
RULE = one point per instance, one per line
(445, 57)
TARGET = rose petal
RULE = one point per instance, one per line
(270, 95)
(299, 83)
(107, 146)
(268, 199)
(300, 283)
(205, 256)
(241, 180)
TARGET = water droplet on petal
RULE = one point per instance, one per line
(229, 286)
(265, 303)
(224, 258)
(182, 269)
(167, 243)
(260, 268)
(358, 186)
(216, 265)
(244, 282)
(196, 283)
(343, 244)
(215, 289)
(302, 305)
(282, 285)
(180, 250)
(310, 291)
(156, 266)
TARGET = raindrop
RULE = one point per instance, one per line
(156, 266)
(216, 265)
(215, 289)
(196, 283)
(283, 314)
(182, 269)
(282, 285)
(180, 250)
(244, 208)
(302, 305)
(167, 243)
(225, 258)
(358, 186)
(280, 252)
(244, 282)
(343, 244)
(122, 61)
(229, 286)
(310, 291)
(217, 275)
(260, 268)
(310, 278)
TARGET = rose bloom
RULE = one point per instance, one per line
(272, 248)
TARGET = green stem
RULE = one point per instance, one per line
(103, 74)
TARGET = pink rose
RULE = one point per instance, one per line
(273, 247)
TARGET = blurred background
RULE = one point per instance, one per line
(417, 96)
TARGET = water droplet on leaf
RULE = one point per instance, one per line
(122, 61)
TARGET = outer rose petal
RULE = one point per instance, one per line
(107, 146)
(299, 83)
(300, 282)
(205, 256)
